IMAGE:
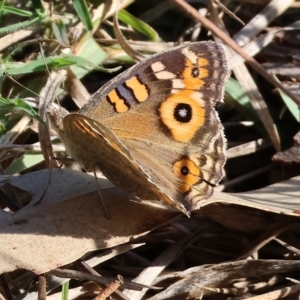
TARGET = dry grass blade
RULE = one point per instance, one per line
(118, 250)
(247, 148)
(65, 273)
(47, 96)
(278, 294)
(272, 231)
(245, 79)
(77, 90)
(282, 198)
(274, 9)
(216, 276)
(12, 135)
(254, 47)
(124, 44)
(110, 289)
(250, 88)
(251, 61)
(14, 37)
(226, 10)
(33, 147)
(160, 263)
(289, 247)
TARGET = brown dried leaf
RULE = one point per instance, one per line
(291, 155)
(281, 198)
(77, 90)
(196, 279)
(69, 221)
(243, 220)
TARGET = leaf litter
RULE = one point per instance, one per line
(70, 220)
(237, 245)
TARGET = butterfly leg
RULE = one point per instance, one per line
(100, 196)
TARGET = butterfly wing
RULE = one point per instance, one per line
(186, 179)
(94, 147)
(162, 111)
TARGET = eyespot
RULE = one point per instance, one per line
(194, 74)
(187, 172)
(182, 115)
(183, 112)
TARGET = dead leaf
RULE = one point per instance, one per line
(220, 275)
(291, 155)
(281, 198)
(69, 221)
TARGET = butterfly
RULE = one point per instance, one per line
(153, 130)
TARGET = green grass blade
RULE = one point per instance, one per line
(1, 6)
(19, 105)
(60, 32)
(138, 25)
(53, 63)
(17, 11)
(24, 162)
(65, 291)
(291, 105)
(238, 98)
(22, 25)
(83, 13)
(94, 53)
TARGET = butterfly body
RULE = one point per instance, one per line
(153, 129)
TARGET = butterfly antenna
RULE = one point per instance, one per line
(43, 57)
(209, 183)
(100, 196)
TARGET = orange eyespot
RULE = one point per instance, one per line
(183, 116)
(202, 62)
(194, 74)
(187, 172)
